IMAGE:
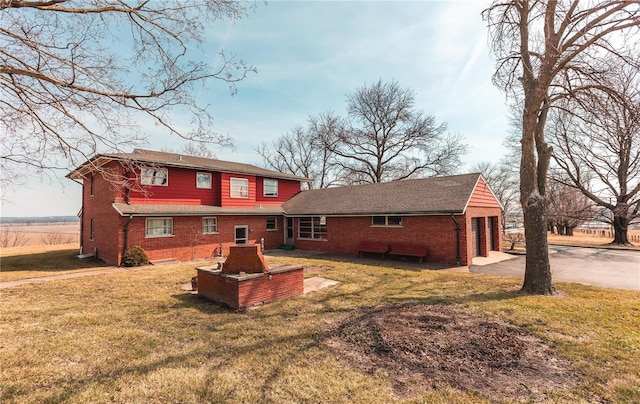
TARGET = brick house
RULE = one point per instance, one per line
(455, 217)
(177, 206)
(184, 207)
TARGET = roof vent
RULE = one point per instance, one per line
(180, 158)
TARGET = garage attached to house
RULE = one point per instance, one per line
(448, 219)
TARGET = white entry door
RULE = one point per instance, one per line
(241, 234)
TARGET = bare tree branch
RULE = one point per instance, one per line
(80, 77)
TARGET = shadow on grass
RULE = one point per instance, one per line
(407, 263)
(51, 261)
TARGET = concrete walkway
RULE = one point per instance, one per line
(112, 270)
(316, 283)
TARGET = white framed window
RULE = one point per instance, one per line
(239, 188)
(209, 225)
(313, 228)
(154, 176)
(203, 180)
(387, 221)
(241, 234)
(272, 223)
(159, 227)
(270, 187)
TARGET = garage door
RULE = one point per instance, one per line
(475, 237)
(492, 234)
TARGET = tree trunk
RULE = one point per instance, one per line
(620, 227)
(569, 231)
(537, 276)
(534, 164)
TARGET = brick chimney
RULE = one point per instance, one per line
(245, 258)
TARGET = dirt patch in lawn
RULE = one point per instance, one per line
(421, 347)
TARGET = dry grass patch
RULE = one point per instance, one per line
(35, 262)
(137, 337)
(590, 240)
(421, 347)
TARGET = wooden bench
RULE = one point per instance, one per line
(372, 247)
(411, 250)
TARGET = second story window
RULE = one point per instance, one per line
(154, 176)
(239, 188)
(203, 180)
(92, 185)
(270, 187)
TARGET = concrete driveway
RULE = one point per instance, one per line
(589, 266)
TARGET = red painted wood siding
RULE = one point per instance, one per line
(181, 189)
(482, 197)
(286, 190)
(228, 201)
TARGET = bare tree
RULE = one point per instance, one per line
(302, 152)
(384, 137)
(195, 149)
(13, 237)
(545, 49)
(503, 181)
(597, 145)
(57, 237)
(79, 76)
(568, 208)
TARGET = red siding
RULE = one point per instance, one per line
(181, 189)
(482, 197)
(286, 190)
(228, 201)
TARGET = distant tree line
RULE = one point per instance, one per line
(39, 219)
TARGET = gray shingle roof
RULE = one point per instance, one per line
(181, 160)
(425, 196)
(147, 209)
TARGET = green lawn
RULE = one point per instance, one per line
(138, 337)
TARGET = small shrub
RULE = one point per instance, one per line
(513, 239)
(135, 256)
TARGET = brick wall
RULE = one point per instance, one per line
(436, 232)
(343, 234)
(484, 214)
(107, 240)
(188, 242)
(245, 258)
(262, 288)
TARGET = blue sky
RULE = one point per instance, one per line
(310, 55)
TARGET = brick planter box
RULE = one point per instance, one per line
(240, 290)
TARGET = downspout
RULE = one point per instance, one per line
(457, 239)
(125, 235)
(128, 185)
